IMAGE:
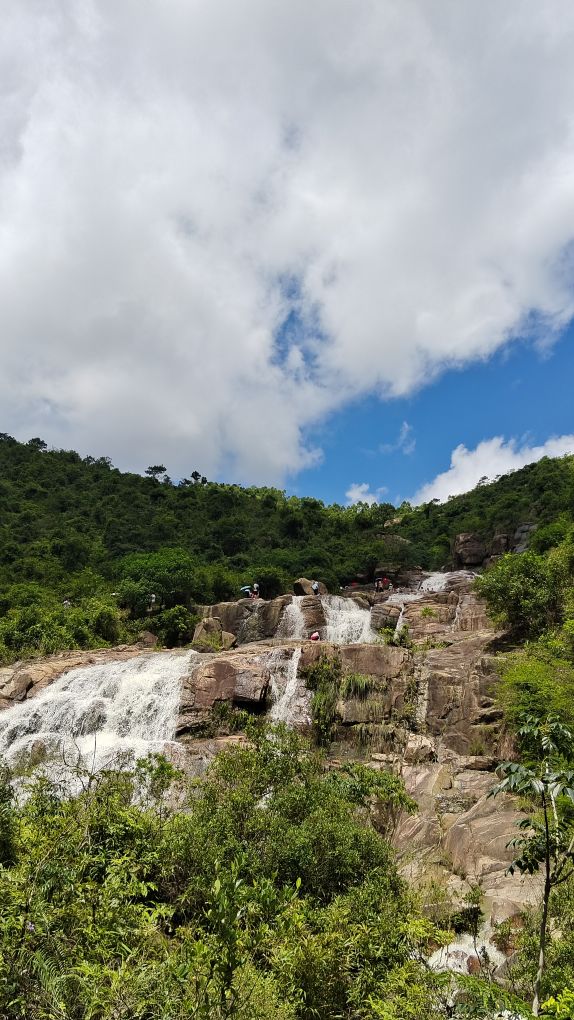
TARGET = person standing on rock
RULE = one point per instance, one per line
(255, 593)
(315, 587)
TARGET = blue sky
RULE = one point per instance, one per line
(521, 393)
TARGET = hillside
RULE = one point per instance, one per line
(80, 530)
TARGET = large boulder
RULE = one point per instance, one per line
(209, 628)
(521, 537)
(303, 586)
(313, 613)
(431, 616)
(249, 619)
(457, 683)
(499, 544)
(236, 677)
(384, 615)
(382, 661)
(263, 619)
(468, 550)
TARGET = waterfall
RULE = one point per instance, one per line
(435, 582)
(291, 699)
(347, 622)
(292, 623)
(97, 716)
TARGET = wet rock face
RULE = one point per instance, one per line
(384, 615)
(459, 682)
(313, 613)
(459, 836)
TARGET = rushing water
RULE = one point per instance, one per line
(347, 622)
(290, 697)
(435, 582)
(98, 716)
(292, 623)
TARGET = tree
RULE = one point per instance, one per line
(155, 470)
(547, 841)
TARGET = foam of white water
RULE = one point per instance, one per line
(291, 701)
(347, 623)
(454, 956)
(95, 716)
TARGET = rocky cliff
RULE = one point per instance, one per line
(428, 710)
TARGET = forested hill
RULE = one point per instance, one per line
(61, 514)
(83, 544)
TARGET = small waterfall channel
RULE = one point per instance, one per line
(291, 701)
(97, 716)
(435, 582)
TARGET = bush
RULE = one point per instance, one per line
(174, 627)
(524, 592)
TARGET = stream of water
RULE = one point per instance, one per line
(98, 716)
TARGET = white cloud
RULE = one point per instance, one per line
(490, 458)
(405, 442)
(360, 492)
(175, 179)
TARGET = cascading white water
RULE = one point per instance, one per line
(95, 716)
(287, 689)
(454, 957)
(434, 582)
(292, 623)
(347, 623)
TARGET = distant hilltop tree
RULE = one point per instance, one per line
(155, 470)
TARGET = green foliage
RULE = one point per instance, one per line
(356, 685)
(45, 627)
(537, 682)
(174, 627)
(547, 842)
(561, 1007)
(428, 613)
(270, 897)
(78, 528)
(524, 592)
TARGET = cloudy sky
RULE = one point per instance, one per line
(326, 245)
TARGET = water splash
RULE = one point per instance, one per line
(97, 716)
(435, 582)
